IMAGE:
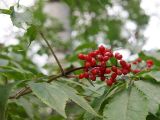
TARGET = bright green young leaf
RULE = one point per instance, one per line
(72, 94)
(51, 95)
(127, 105)
(4, 94)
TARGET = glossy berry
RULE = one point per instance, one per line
(108, 71)
(81, 56)
(81, 76)
(114, 75)
(136, 71)
(109, 82)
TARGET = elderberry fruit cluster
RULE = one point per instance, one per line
(98, 64)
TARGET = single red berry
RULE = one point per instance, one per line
(87, 64)
(114, 69)
(100, 57)
(149, 63)
(92, 77)
(102, 78)
(119, 57)
(134, 62)
(136, 71)
(86, 75)
(96, 52)
(128, 66)
(103, 64)
(113, 80)
(105, 58)
(123, 63)
(119, 72)
(93, 62)
(81, 56)
(109, 82)
(108, 71)
(114, 75)
(81, 76)
(124, 71)
(109, 54)
(94, 71)
(88, 58)
(139, 60)
(101, 48)
(92, 54)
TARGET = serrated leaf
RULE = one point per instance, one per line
(51, 95)
(72, 94)
(4, 94)
(151, 90)
(127, 105)
(155, 75)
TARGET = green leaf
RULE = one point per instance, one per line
(51, 95)
(31, 33)
(6, 11)
(72, 94)
(155, 75)
(151, 90)
(4, 94)
(19, 18)
(127, 105)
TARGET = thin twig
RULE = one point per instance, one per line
(53, 53)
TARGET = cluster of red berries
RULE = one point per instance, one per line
(98, 64)
(148, 65)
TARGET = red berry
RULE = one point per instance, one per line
(118, 56)
(135, 62)
(81, 76)
(92, 77)
(101, 48)
(103, 64)
(105, 58)
(93, 62)
(100, 57)
(123, 63)
(124, 71)
(108, 71)
(119, 72)
(109, 54)
(81, 56)
(87, 64)
(114, 75)
(109, 82)
(114, 68)
(88, 58)
(86, 75)
(102, 78)
(94, 71)
(149, 63)
(136, 71)
(92, 54)
(139, 60)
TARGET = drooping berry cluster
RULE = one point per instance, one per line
(98, 63)
(148, 65)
